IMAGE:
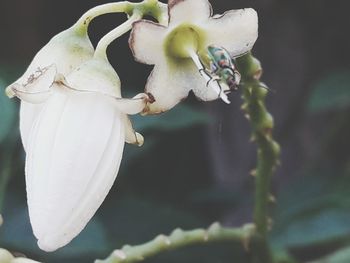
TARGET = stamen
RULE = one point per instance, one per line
(212, 83)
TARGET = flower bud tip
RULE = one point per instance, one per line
(10, 92)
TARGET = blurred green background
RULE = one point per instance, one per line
(194, 167)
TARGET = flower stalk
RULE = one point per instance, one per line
(180, 238)
(147, 7)
(101, 49)
(268, 150)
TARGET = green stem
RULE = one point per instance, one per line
(179, 238)
(84, 21)
(153, 8)
(7, 257)
(101, 49)
(5, 174)
(254, 93)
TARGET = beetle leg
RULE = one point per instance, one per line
(238, 77)
(215, 85)
(213, 67)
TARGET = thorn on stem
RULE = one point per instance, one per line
(215, 227)
(119, 254)
(164, 239)
(272, 198)
(253, 172)
(269, 223)
(249, 230)
(176, 233)
(126, 247)
(206, 236)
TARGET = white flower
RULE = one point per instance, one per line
(176, 50)
(66, 51)
(75, 148)
(74, 125)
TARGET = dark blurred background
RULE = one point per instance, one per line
(195, 164)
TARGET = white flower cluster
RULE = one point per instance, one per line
(73, 120)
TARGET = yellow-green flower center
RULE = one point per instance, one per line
(181, 40)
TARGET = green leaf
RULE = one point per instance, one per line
(319, 212)
(7, 113)
(178, 118)
(331, 93)
(340, 256)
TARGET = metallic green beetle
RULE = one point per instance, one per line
(221, 67)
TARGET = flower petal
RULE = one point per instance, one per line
(37, 88)
(182, 11)
(132, 106)
(201, 87)
(94, 76)
(131, 136)
(68, 173)
(33, 94)
(235, 30)
(5, 256)
(64, 52)
(167, 86)
(27, 115)
(146, 40)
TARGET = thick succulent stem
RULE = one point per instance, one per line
(254, 93)
(180, 238)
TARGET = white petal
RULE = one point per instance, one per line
(33, 94)
(66, 51)
(204, 86)
(167, 86)
(236, 31)
(73, 158)
(182, 11)
(32, 97)
(37, 88)
(201, 87)
(28, 115)
(62, 54)
(5, 256)
(146, 41)
(131, 136)
(95, 75)
(132, 106)
(41, 80)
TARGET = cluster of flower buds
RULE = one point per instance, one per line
(73, 120)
